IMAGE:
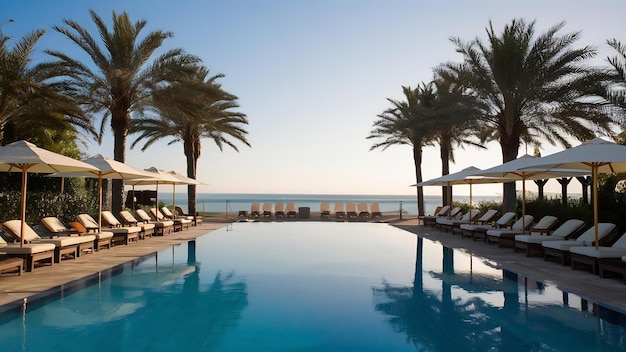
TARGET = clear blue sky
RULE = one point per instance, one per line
(312, 76)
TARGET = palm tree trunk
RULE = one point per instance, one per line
(120, 126)
(510, 148)
(191, 189)
(417, 159)
(446, 191)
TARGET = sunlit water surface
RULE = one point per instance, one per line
(315, 286)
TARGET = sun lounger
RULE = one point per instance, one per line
(479, 231)
(364, 212)
(532, 243)
(147, 229)
(29, 254)
(160, 227)
(267, 210)
(614, 266)
(351, 211)
(430, 220)
(487, 217)
(56, 228)
(506, 237)
(178, 222)
(324, 210)
(255, 210)
(291, 210)
(121, 234)
(339, 212)
(10, 264)
(195, 219)
(64, 248)
(589, 256)
(560, 249)
(279, 210)
(375, 209)
(157, 217)
(449, 224)
(103, 240)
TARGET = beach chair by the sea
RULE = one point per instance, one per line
(267, 210)
(351, 210)
(364, 212)
(279, 210)
(255, 210)
(339, 212)
(324, 209)
(291, 210)
(375, 210)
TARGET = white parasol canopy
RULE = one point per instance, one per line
(596, 156)
(25, 157)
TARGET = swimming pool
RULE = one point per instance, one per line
(314, 286)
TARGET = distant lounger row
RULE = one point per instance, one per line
(287, 210)
(82, 236)
(569, 243)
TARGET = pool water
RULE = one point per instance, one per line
(315, 286)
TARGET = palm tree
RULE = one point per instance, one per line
(120, 76)
(34, 95)
(535, 86)
(402, 125)
(189, 111)
(454, 123)
(616, 93)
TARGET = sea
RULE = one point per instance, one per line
(234, 202)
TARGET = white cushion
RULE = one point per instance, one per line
(13, 228)
(28, 248)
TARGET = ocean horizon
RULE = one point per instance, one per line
(235, 202)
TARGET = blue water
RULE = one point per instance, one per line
(217, 202)
(313, 287)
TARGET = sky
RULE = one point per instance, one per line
(312, 77)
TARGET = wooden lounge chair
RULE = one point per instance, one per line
(375, 209)
(589, 256)
(452, 224)
(178, 211)
(157, 217)
(439, 212)
(339, 212)
(560, 249)
(614, 266)
(487, 217)
(531, 243)
(160, 227)
(255, 210)
(324, 210)
(267, 210)
(121, 234)
(505, 237)
(279, 210)
(147, 229)
(64, 248)
(364, 212)
(351, 211)
(479, 231)
(10, 264)
(291, 210)
(56, 228)
(104, 239)
(28, 255)
(178, 222)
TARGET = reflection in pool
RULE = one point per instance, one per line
(316, 286)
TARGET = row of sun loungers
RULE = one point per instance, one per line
(82, 236)
(570, 243)
(288, 210)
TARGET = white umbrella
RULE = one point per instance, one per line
(468, 176)
(519, 169)
(159, 177)
(597, 156)
(25, 157)
(106, 168)
(184, 180)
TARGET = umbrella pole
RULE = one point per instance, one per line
(99, 202)
(594, 175)
(523, 206)
(23, 206)
(174, 198)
